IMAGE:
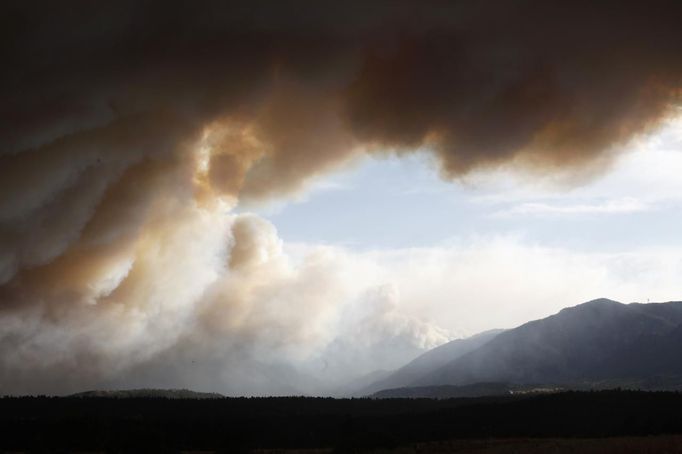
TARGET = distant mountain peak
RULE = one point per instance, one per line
(602, 301)
(595, 304)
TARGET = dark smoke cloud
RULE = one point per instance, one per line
(126, 128)
(478, 81)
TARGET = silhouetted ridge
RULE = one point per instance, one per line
(599, 342)
(446, 391)
(149, 393)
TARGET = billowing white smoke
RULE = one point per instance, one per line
(187, 294)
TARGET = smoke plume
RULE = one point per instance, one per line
(129, 131)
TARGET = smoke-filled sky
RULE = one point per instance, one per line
(275, 198)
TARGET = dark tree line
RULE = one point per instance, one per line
(242, 424)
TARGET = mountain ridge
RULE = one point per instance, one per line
(601, 339)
